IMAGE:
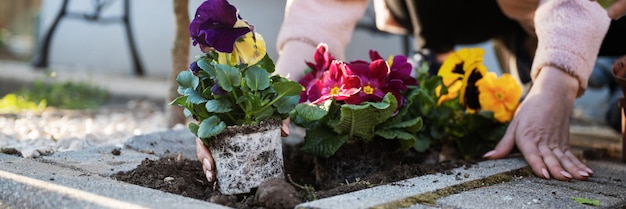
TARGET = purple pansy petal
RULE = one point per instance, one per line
(213, 26)
(194, 68)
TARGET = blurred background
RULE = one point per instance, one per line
(103, 47)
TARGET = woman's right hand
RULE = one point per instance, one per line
(617, 9)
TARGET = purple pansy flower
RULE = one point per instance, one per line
(214, 26)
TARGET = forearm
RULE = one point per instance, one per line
(309, 22)
(569, 36)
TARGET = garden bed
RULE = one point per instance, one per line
(186, 178)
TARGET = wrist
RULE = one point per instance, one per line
(553, 79)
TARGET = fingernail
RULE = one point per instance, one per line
(566, 174)
(207, 164)
(583, 173)
(545, 173)
(209, 176)
(589, 170)
(489, 154)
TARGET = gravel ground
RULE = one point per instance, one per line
(65, 130)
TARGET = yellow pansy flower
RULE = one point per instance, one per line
(454, 85)
(499, 95)
(465, 64)
(248, 49)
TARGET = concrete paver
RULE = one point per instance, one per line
(406, 189)
(29, 183)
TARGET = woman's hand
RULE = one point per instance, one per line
(617, 9)
(205, 157)
(540, 128)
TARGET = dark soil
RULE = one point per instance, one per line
(303, 172)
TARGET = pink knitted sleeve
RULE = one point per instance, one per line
(310, 22)
(569, 33)
(315, 21)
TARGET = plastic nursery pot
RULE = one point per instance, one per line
(245, 156)
(619, 72)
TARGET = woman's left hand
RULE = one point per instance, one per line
(540, 128)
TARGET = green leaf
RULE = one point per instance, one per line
(288, 88)
(186, 79)
(193, 128)
(395, 134)
(421, 144)
(257, 78)
(194, 97)
(181, 100)
(360, 120)
(206, 67)
(286, 104)
(210, 127)
(414, 124)
(221, 105)
(265, 114)
(585, 201)
(227, 77)
(311, 112)
(267, 63)
(323, 142)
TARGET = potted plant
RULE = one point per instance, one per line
(389, 104)
(237, 102)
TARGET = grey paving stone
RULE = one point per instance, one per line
(525, 193)
(29, 183)
(100, 160)
(165, 143)
(398, 191)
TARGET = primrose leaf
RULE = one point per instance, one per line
(288, 88)
(585, 201)
(218, 105)
(227, 77)
(421, 144)
(323, 142)
(360, 120)
(396, 134)
(311, 112)
(257, 78)
(210, 127)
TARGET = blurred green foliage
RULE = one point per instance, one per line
(63, 95)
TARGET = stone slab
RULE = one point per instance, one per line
(99, 160)
(165, 143)
(525, 193)
(384, 194)
(606, 185)
(30, 183)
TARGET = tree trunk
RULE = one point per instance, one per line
(180, 60)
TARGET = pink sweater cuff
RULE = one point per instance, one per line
(569, 33)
